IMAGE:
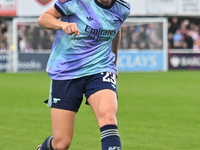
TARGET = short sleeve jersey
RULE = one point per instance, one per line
(90, 53)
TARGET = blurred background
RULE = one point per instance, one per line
(157, 36)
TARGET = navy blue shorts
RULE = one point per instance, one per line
(68, 94)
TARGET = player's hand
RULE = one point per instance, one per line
(70, 28)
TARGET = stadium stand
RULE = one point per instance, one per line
(142, 37)
(3, 37)
(34, 39)
(183, 33)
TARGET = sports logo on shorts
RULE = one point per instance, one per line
(43, 2)
(55, 100)
(64, 1)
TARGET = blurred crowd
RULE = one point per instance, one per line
(32, 38)
(3, 37)
(143, 36)
(184, 33)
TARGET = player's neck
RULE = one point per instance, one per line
(105, 2)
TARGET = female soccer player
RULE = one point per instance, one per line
(83, 61)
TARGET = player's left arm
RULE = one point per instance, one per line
(115, 46)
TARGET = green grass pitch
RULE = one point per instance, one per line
(157, 111)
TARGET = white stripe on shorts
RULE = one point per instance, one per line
(50, 96)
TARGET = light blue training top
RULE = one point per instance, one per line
(90, 53)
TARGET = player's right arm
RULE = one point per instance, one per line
(50, 20)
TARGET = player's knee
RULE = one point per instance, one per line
(61, 144)
(108, 119)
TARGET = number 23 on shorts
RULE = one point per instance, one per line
(109, 77)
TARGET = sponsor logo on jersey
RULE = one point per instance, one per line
(43, 2)
(99, 34)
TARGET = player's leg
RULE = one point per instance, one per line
(62, 127)
(104, 105)
(65, 99)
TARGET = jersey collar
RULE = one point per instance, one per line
(103, 6)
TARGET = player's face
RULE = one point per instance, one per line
(105, 2)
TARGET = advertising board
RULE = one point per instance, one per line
(141, 61)
(160, 6)
(184, 61)
(138, 7)
(8, 8)
(33, 7)
(3, 62)
(32, 62)
(165, 7)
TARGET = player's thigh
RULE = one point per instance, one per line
(104, 104)
(62, 125)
